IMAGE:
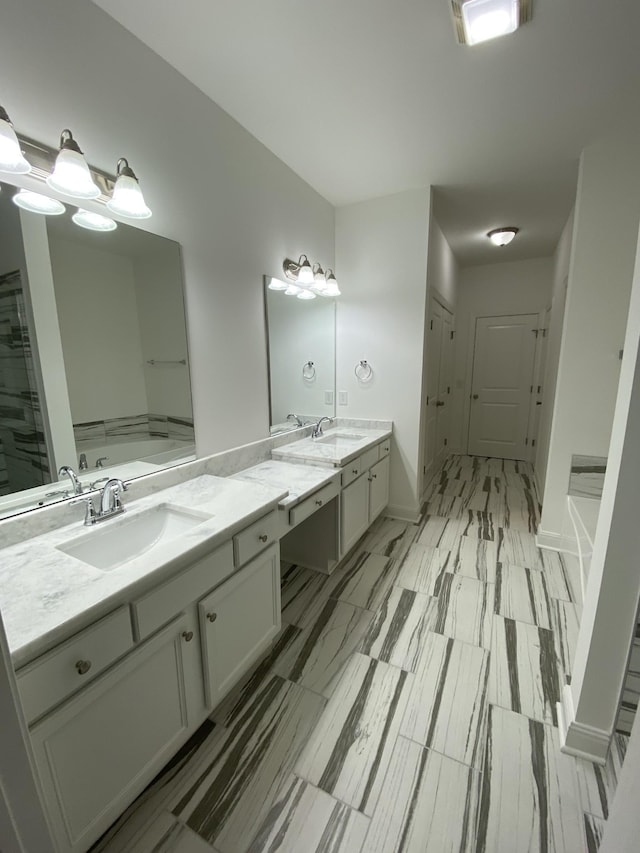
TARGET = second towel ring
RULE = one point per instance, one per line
(363, 371)
(309, 371)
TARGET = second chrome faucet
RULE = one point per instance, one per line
(110, 503)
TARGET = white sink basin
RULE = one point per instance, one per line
(115, 542)
(339, 438)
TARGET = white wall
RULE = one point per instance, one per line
(442, 267)
(601, 266)
(236, 209)
(516, 287)
(554, 338)
(381, 254)
(98, 316)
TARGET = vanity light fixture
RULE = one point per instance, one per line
(127, 199)
(276, 284)
(37, 203)
(476, 21)
(292, 290)
(307, 282)
(301, 272)
(93, 221)
(11, 157)
(71, 175)
(502, 236)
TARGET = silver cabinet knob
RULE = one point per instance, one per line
(475, 396)
(318, 502)
(263, 537)
(188, 636)
(374, 476)
(83, 666)
(354, 470)
(212, 617)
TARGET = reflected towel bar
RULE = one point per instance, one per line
(175, 361)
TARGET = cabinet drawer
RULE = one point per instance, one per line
(51, 678)
(308, 506)
(351, 472)
(384, 448)
(166, 601)
(369, 458)
(255, 538)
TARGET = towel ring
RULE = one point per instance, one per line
(308, 371)
(363, 371)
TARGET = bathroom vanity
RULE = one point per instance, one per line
(120, 658)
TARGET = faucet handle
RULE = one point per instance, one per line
(100, 460)
(96, 484)
(89, 512)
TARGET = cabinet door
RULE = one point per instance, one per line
(354, 512)
(97, 752)
(237, 623)
(378, 488)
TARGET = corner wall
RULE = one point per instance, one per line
(381, 255)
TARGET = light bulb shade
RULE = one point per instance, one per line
(488, 19)
(305, 273)
(319, 278)
(332, 288)
(502, 236)
(127, 199)
(306, 294)
(276, 284)
(292, 290)
(11, 158)
(93, 221)
(71, 175)
(37, 203)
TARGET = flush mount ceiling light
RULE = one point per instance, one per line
(36, 203)
(127, 199)
(71, 175)
(476, 21)
(11, 157)
(93, 221)
(502, 236)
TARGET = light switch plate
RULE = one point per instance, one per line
(328, 398)
(343, 398)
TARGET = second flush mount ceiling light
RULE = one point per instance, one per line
(502, 236)
(477, 21)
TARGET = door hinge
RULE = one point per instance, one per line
(533, 443)
(539, 388)
(448, 389)
(451, 334)
(531, 389)
(535, 332)
(526, 441)
(544, 332)
(445, 442)
(427, 399)
(431, 325)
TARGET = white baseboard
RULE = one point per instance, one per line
(403, 513)
(555, 541)
(576, 738)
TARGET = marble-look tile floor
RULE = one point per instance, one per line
(408, 704)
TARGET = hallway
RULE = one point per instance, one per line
(409, 703)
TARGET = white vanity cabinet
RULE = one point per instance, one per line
(100, 749)
(364, 495)
(237, 622)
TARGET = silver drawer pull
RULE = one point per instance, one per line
(318, 502)
(188, 636)
(354, 470)
(83, 666)
(212, 617)
(263, 537)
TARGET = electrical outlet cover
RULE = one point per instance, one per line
(343, 398)
(328, 398)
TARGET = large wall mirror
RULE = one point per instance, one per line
(94, 369)
(301, 336)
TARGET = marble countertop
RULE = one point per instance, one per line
(335, 452)
(299, 480)
(47, 595)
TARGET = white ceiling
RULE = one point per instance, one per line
(364, 98)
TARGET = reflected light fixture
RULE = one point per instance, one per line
(306, 294)
(127, 199)
(37, 203)
(502, 236)
(292, 290)
(276, 284)
(93, 221)
(71, 175)
(477, 21)
(11, 157)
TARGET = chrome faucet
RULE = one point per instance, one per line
(317, 429)
(67, 471)
(110, 503)
(295, 418)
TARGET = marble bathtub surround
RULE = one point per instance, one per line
(586, 478)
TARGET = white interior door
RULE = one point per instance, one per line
(542, 339)
(503, 362)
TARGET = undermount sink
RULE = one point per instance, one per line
(116, 542)
(339, 438)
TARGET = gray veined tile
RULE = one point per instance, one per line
(398, 631)
(348, 752)
(529, 798)
(446, 506)
(305, 819)
(523, 674)
(594, 830)
(447, 707)
(565, 622)
(515, 547)
(234, 781)
(597, 784)
(438, 532)
(364, 580)
(423, 569)
(316, 657)
(390, 538)
(522, 594)
(465, 610)
(563, 576)
(521, 510)
(474, 558)
(428, 804)
(169, 835)
(301, 591)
